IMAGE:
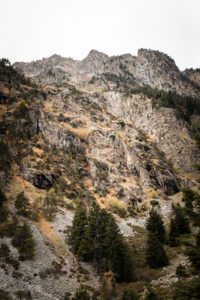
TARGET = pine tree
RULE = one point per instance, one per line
(129, 294)
(3, 209)
(81, 294)
(96, 237)
(24, 241)
(156, 256)
(188, 290)
(155, 225)
(79, 227)
(4, 251)
(150, 294)
(93, 233)
(188, 197)
(4, 212)
(118, 254)
(2, 198)
(22, 204)
(181, 220)
(173, 234)
(193, 252)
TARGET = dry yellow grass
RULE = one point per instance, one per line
(18, 185)
(3, 109)
(185, 137)
(149, 138)
(82, 133)
(46, 229)
(38, 150)
(112, 202)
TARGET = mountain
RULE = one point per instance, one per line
(149, 67)
(120, 131)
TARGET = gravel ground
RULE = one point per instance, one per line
(54, 286)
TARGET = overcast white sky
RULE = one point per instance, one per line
(33, 29)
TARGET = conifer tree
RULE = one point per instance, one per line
(4, 212)
(156, 256)
(181, 220)
(129, 294)
(150, 293)
(96, 238)
(4, 251)
(188, 198)
(24, 241)
(173, 234)
(3, 209)
(2, 198)
(193, 252)
(79, 227)
(119, 256)
(155, 225)
(22, 204)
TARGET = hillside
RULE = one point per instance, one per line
(122, 132)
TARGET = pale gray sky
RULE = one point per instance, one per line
(33, 29)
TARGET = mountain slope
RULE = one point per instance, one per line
(116, 130)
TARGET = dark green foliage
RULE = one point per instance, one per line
(4, 156)
(155, 225)
(4, 251)
(173, 234)
(67, 296)
(118, 252)
(24, 242)
(150, 294)
(4, 295)
(81, 294)
(50, 206)
(22, 204)
(185, 107)
(78, 232)
(2, 198)
(196, 133)
(96, 238)
(181, 271)
(4, 212)
(193, 253)
(24, 294)
(129, 294)
(62, 184)
(192, 200)
(181, 220)
(188, 290)
(188, 198)
(4, 62)
(156, 256)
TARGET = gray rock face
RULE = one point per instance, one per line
(162, 125)
(149, 67)
(193, 75)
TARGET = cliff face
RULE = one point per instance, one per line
(149, 67)
(103, 128)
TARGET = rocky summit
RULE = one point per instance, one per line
(98, 157)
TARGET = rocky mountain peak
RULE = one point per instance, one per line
(96, 54)
(149, 67)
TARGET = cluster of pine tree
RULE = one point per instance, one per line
(156, 256)
(178, 225)
(96, 238)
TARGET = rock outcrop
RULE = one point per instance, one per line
(149, 67)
